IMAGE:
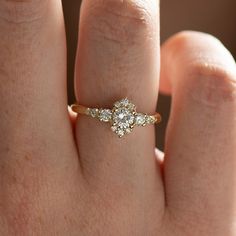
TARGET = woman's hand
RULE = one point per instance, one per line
(96, 183)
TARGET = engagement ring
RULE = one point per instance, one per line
(123, 117)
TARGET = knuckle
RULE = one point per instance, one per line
(120, 20)
(211, 84)
(210, 72)
(22, 11)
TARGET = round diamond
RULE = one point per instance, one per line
(93, 112)
(125, 102)
(105, 115)
(140, 119)
(114, 128)
(150, 120)
(123, 118)
(122, 103)
(128, 131)
(121, 133)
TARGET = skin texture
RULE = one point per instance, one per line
(62, 175)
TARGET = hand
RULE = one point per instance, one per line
(61, 176)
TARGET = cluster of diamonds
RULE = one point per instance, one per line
(123, 117)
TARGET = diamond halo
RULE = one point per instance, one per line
(123, 119)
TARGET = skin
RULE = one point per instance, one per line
(66, 176)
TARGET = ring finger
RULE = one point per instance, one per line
(118, 57)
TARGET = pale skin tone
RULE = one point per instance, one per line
(66, 176)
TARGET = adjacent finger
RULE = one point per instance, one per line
(34, 119)
(200, 157)
(118, 57)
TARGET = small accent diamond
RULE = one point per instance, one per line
(120, 133)
(150, 120)
(125, 102)
(114, 128)
(93, 112)
(128, 131)
(140, 119)
(105, 115)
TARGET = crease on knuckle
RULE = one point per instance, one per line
(211, 84)
(120, 21)
(22, 11)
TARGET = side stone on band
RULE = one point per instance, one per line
(123, 116)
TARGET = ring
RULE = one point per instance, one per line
(123, 117)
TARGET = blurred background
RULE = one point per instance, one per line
(216, 17)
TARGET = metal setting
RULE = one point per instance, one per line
(123, 117)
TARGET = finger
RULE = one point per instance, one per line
(160, 155)
(118, 57)
(34, 118)
(73, 117)
(200, 157)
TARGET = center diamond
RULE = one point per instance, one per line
(123, 117)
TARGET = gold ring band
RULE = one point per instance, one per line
(123, 116)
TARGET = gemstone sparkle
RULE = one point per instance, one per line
(105, 115)
(140, 119)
